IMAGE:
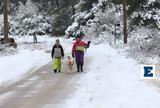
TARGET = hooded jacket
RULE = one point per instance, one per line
(57, 51)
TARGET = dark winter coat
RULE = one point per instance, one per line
(57, 51)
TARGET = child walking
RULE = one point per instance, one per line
(57, 54)
(78, 53)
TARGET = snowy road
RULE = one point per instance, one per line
(112, 80)
(41, 89)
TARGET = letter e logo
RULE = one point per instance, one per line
(148, 71)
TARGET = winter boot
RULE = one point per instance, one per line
(55, 70)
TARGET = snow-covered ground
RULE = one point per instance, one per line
(29, 56)
(13, 67)
(112, 81)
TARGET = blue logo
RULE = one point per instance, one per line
(148, 72)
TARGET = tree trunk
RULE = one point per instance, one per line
(125, 22)
(5, 13)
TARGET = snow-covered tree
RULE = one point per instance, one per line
(29, 21)
(102, 17)
(28, 9)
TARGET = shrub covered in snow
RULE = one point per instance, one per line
(144, 45)
(29, 21)
(5, 50)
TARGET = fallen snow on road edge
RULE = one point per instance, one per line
(112, 81)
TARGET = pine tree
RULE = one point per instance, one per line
(60, 23)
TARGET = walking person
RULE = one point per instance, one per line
(78, 53)
(57, 54)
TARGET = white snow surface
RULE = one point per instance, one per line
(5, 96)
(29, 58)
(14, 66)
(112, 81)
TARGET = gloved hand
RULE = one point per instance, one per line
(73, 55)
(88, 44)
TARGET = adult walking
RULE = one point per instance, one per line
(78, 53)
(57, 54)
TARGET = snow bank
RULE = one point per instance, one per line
(112, 81)
(13, 67)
